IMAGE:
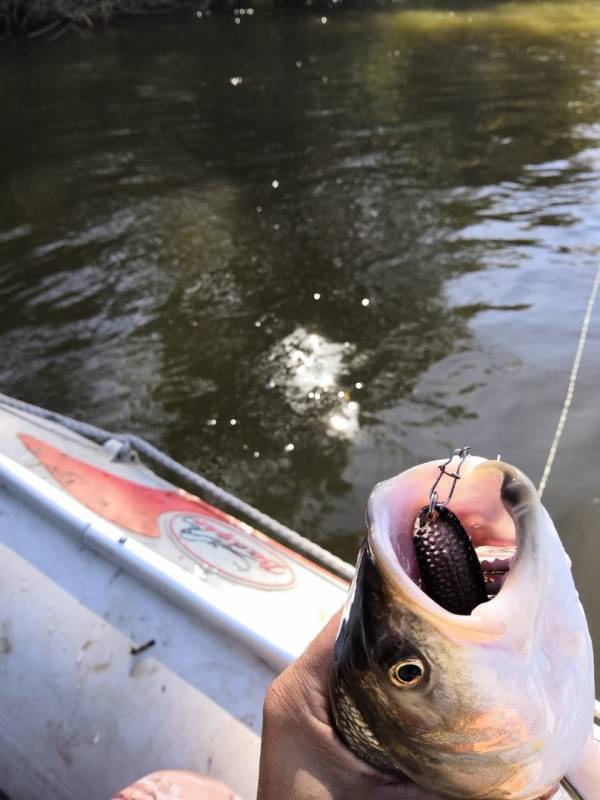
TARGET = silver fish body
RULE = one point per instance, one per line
(496, 704)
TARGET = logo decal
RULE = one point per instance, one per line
(230, 551)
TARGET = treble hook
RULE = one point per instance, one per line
(434, 502)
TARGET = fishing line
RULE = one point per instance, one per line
(571, 387)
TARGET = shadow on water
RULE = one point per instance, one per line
(301, 255)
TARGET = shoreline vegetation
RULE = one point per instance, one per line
(52, 18)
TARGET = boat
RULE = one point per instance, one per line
(140, 622)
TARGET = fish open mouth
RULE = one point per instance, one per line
(495, 563)
(459, 555)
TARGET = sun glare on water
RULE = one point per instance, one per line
(310, 368)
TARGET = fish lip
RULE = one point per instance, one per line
(488, 620)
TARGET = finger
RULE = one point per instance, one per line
(317, 656)
(177, 785)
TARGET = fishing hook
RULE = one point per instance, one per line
(434, 502)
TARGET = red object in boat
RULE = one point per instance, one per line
(126, 503)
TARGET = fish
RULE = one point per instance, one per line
(482, 689)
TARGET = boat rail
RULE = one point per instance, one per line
(159, 460)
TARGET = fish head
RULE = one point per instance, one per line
(490, 705)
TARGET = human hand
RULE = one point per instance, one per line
(176, 785)
(302, 757)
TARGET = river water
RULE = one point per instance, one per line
(302, 253)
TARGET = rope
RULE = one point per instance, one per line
(155, 457)
(264, 521)
(571, 387)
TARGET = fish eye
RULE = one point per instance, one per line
(407, 673)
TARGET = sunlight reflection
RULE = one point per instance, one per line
(345, 421)
(309, 368)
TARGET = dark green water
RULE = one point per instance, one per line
(375, 246)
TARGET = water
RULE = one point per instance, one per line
(303, 254)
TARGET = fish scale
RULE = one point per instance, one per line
(450, 570)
